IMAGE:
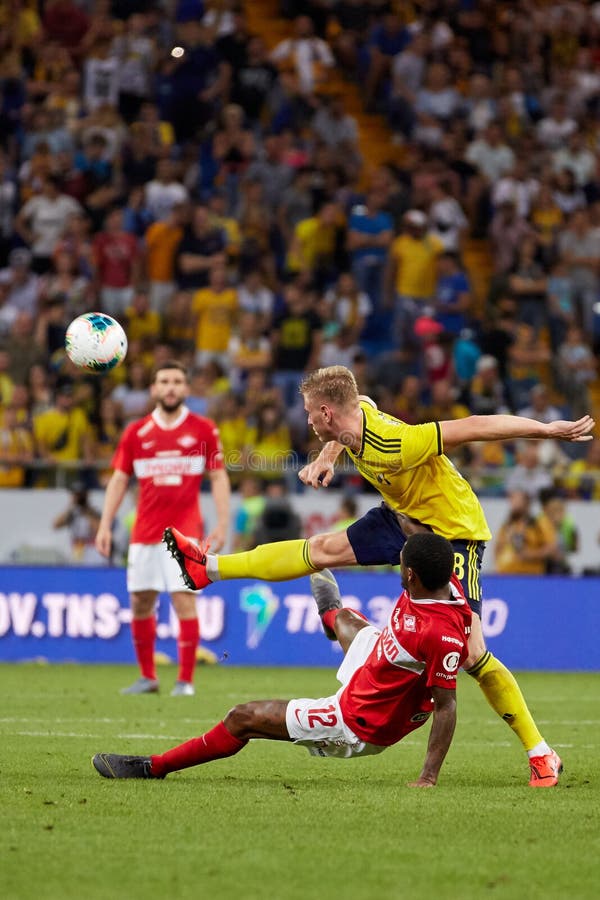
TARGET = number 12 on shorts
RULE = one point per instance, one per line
(324, 715)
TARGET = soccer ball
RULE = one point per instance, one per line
(96, 342)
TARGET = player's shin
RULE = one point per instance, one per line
(218, 743)
(143, 632)
(270, 562)
(187, 644)
(504, 696)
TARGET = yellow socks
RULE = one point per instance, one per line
(504, 696)
(270, 562)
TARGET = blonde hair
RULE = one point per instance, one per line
(334, 384)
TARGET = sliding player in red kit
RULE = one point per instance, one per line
(392, 680)
(168, 451)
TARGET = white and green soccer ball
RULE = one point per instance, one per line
(96, 342)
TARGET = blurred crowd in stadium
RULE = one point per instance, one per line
(161, 163)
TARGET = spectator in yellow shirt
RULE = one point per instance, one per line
(22, 23)
(268, 444)
(215, 308)
(6, 382)
(178, 323)
(248, 349)
(140, 321)
(233, 428)
(582, 478)
(63, 433)
(523, 545)
(217, 204)
(444, 405)
(16, 448)
(314, 243)
(161, 242)
(411, 274)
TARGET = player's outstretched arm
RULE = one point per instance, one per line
(320, 472)
(505, 428)
(440, 736)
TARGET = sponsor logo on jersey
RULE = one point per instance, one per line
(452, 640)
(420, 717)
(168, 466)
(451, 661)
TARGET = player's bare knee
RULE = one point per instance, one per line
(240, 720)
(347, 618)
(476, 651)
(347, 625)
(476, 643)
(316, 546)
(330, 549)
(142, 605)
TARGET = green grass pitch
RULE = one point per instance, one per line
(272, 822)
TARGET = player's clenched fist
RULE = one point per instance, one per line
(317, 474)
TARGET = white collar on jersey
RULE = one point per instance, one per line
(457, 601)
(169, 427)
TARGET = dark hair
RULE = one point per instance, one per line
(170, 364)
(431, 557)
(546, 495)
(53, 179)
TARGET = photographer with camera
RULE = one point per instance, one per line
(82, 520)
(524, 544)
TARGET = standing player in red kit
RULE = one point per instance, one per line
(392, 680)
(168, 451)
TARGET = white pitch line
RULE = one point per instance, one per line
(178, 737)
(74, 734)
(63, 720)
(98, 720)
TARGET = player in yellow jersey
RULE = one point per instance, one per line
(421, 488)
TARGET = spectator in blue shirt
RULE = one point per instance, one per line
(91, 161)
(370, 233)
(453, 294)
(388, 38)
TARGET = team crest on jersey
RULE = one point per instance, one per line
(186, 440)
(410, 622)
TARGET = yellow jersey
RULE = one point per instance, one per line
(406, 464)
(61, 433)
(417, 274)
(162, 240)
(216, 312)
(315, 242)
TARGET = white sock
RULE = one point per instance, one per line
(541, 749)
(212, 568)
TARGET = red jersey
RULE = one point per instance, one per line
(423, 645)
(115, 255)
(168, 463)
